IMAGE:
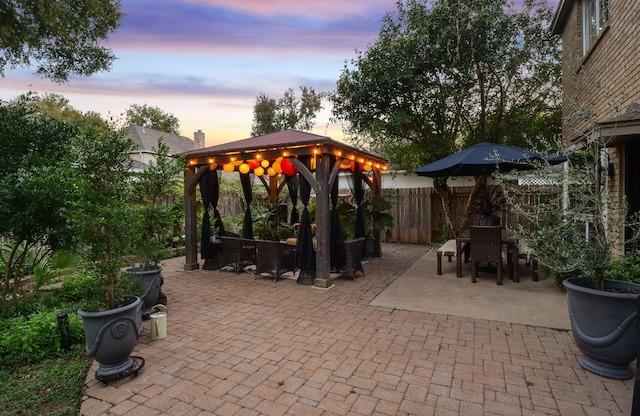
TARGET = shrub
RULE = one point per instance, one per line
(35, 337)
(626, 269)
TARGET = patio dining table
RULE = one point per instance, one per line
(507, 239)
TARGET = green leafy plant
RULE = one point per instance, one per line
(626, 269)
(376, 217)
(347, 215)
(101, 210)
(489, 202)
(267, 225)
(52, 386)
(154, 189)
(33, 338)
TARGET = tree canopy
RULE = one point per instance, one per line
(33, 186)
(61, 37)
(446, 74)
(153, 118)
(288, 112)
(450, 73)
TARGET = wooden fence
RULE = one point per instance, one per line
(419, 216)
(417, 212)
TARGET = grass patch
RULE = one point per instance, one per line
(50, 387)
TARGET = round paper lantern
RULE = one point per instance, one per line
(287, 167)
(264, 163)
(271, 172)
(244, 168)
(228, 167)
(259, 171)
(277, 167)
(254, 164)
(367, 167)
(352, 166)
(237, 162)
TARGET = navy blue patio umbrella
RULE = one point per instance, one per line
(485, 158)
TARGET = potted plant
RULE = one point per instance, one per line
(573, 229)
(101, 215)
(487, 205)
(377, 220)
(268, 225)
(154, 189)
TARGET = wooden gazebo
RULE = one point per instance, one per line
(264, 156)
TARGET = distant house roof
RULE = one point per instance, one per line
(146, 140)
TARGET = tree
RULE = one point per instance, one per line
(100, 208)
(57, 106)
(288, 112)
(450, 73)
(154, 118)
(33, 187)
(62, 37)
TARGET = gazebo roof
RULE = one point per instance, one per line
(287, 143)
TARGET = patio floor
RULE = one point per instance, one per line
(399, 341)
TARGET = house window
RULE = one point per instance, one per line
(595, 14)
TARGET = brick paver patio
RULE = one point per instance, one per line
(243, 346)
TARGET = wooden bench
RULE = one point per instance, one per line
(447, 249)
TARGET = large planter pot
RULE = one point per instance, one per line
(148, 284)
(491, 220)
(604, 326)
(111, 336)
(368, 248)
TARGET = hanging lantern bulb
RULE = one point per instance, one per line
(367, 167)
(277, 167)
(228, 167)
(244, 168)
(264, 163)
(259, 171)
(271, 172)
(287, 167)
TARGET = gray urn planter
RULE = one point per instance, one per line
(148, 283)
(603, 324)
(111, 336)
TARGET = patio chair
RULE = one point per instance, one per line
(353, 251)
(274, 258)
(238, 252)
(486, 248)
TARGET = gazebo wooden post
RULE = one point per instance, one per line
(376, 189)
(323, 255)
(190, 222)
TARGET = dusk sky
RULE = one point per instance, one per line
(206, 61)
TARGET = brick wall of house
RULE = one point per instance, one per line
(605, 80)
(602, 83)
